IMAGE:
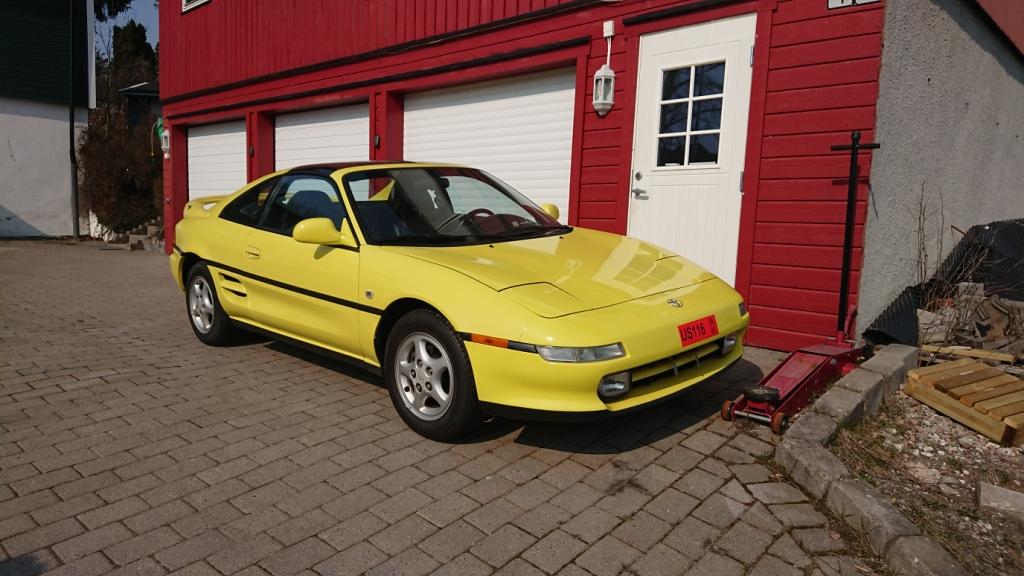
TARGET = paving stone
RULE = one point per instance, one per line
(206, 519)
(660, 561)
(786, 548)
(671, 505)
(817, 540)
(66, 509)
(591, 525)
(298, 557)
(519, 567)
(744, 542)
(692, 537)
(771, 566)
(776, 493)
(249, 525)
(751, 474)
(798, 515)
(870, 385)
(542, 519)
(494, 515)
(353, 530)
(112, 512)
(680, 459)
(576, 498)
(353, 561)
(451, 541)
(734, 490)
(192, 550)
(448, 509)
(642, 530)
(142, 545)
(719, 510)
(608, 557)
(712, 564)
(464, 565)
(91, 541)
(92, 565)
(624, 502)
(293, 530)
(699, 483)
(244, 553)
(751, 445)
(554, 551)
(402, 534)
(43, 537)
(704, 442)
(503, 545)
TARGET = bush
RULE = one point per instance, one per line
(120, 180)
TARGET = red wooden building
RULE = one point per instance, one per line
(716, 146)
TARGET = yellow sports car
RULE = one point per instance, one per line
(466, 296)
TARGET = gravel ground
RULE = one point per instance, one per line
(930, 466)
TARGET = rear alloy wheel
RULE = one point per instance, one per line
(429, 378)
(208, 320)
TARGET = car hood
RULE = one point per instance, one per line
(559, 275)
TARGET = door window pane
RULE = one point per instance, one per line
(672, 151)
(246, 208)
(673, 118)
(709, 79)
(704, 149)
(300, 198)
(707, 114)
(675, 84)
(690, 114)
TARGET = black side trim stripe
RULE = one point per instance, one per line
(675, 11)
(386, 51)
(297, 289)
(454, 67)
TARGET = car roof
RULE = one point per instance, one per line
(332, 167)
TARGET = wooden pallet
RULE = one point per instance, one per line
(977, 395)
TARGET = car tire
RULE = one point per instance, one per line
(429, 377)
(208, 320)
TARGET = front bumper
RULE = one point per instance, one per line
(517, 383)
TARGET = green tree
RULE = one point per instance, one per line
(121, 178)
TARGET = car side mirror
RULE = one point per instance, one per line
(322, 231)
(550, 210)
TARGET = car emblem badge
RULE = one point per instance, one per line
(675, 303)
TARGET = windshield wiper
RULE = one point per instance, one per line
(527, 231)
(426, 240)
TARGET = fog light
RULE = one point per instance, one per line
(728, 343)
(614, 385)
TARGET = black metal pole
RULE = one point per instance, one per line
(851, 205)
(71, 119)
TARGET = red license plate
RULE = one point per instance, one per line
(702, 329)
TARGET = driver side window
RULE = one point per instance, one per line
(302, 197)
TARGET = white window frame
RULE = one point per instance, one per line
(187, 5)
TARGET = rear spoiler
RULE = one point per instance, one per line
(200, 207)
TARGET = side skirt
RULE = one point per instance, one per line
(331, 354)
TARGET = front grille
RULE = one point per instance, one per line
(649, 373)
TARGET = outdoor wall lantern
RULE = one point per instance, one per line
(604, 90)
(604, 78)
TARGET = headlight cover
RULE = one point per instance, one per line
(578, 355)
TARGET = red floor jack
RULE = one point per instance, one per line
(809, 371)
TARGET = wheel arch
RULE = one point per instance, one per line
(188, 260)
(390, 317)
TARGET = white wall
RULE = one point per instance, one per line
(951, 125)
(35, 189)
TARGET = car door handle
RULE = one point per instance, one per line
(252, 252)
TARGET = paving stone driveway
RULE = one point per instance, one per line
(128, 447)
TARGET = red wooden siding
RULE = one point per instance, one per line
(227, 41)
(822, 83)
(815, 79)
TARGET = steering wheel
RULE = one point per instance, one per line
(463, 217)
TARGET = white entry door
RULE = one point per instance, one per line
(519, 129)
(689, 139)
(216, 159)
(326, 135)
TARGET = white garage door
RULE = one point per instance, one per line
(327, 135)
(216, 159)
(519, 130)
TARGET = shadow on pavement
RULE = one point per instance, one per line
(611, 435)
(27, 565)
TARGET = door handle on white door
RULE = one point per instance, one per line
(639, 193)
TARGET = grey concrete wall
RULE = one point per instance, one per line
(35, 189)
(951, 125)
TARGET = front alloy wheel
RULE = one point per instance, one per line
(428, 376)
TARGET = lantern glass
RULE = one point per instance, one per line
(604, 90)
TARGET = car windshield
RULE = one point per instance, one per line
(443, 206)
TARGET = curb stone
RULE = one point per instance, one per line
(803, 452)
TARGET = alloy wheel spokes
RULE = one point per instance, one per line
(424, 373)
